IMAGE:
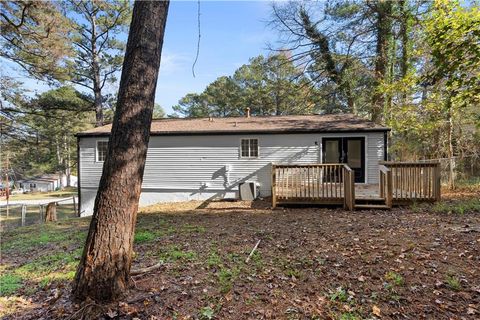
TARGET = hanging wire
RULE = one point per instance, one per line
(198, 42)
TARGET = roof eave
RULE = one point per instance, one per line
(237, 132)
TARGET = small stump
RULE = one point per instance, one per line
(51, 213)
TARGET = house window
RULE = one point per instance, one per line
(102, 147)
(249, 148)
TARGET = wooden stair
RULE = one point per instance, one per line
(372, 206)
(371, 203)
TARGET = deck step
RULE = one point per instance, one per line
(371, 206)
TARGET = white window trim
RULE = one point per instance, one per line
(240, 148)
(96, 150)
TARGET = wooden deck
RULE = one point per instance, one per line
(367, 191)
(399, 183)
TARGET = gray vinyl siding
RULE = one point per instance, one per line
(196, 164)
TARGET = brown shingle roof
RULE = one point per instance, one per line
(264, 124)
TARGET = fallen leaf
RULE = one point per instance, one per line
(471, 311)
(112, 314)
(376, 311)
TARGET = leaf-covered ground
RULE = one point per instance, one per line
(421, 262)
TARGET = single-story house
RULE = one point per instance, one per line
(43, 183)
(207, 158)
(46, 183)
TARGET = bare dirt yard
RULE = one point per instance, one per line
(418, 262)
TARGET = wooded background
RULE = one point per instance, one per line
(413, 66)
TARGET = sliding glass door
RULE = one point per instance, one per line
(346, 150)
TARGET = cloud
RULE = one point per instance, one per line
(173, 62)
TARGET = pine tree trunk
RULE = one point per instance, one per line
(103, 272)
(383, 31)
(97, 90)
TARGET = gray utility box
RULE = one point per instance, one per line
(248, 190)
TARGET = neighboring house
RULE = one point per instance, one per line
(72, 183)
(207, 158)
(43, 183)
(46, 182)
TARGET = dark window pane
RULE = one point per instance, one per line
(254, 148)
(102, 150)
(244, 144)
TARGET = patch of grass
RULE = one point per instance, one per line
(171, 230)
(214, 260)
(226, 277)
(46, 269)
(235, 257)
(9, 284)
(395, 278)
(257, 259)
(340, 294)
(470, 184)
(50, 263)
(292, 272)
(67, 192)
(174, 253)
(453, 283)
(206, 313)
(415, 207)
(63, 233)
(349, 316)
(144, 236)
(188, 228)
(457, 207)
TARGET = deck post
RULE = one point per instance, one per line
(381, 185)
(349, 188)
(346, 191)
(389, 187)
(274, 189)
(352, 192)
(438, 182)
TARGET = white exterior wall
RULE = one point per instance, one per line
(182, 168)
(40, 186)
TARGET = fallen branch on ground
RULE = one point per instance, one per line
(253, 251)
(146, 269)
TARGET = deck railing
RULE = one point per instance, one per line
(349, 186)
(313, 183)
(411, 181)
(385, 185)
(399, 183)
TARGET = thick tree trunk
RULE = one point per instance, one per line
(383, 31)
(103, 272)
